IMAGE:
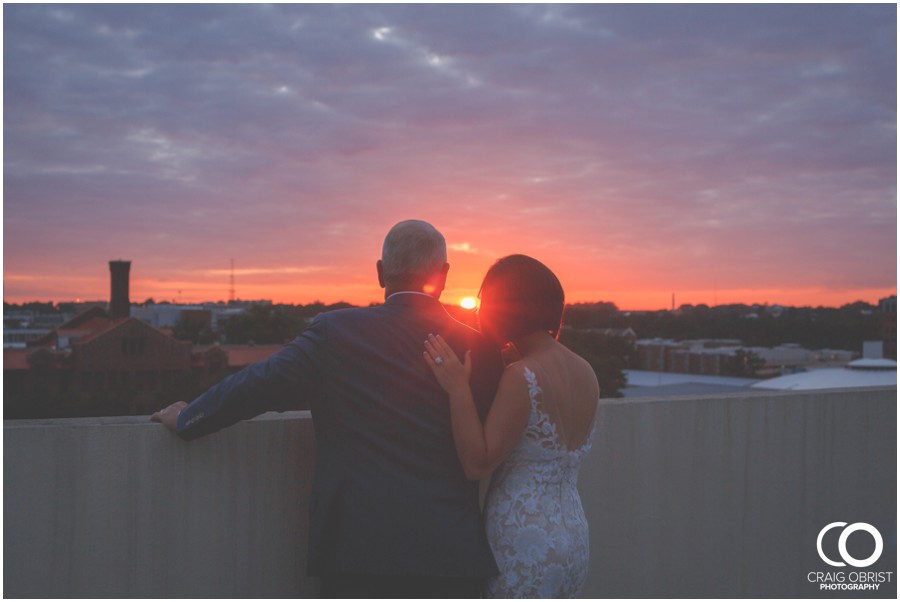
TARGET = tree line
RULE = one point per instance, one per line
(844, 327)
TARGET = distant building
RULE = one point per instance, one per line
(713, 357)
(113, 353)
(642, 383)
(873, 350)
(858, 373)
(215, 361)
(93, 353)
(18, 338)
(127, 355)
(200, 317)
(82, 306)
(98, 352)
(221, 316)
(23, 327)
(166, 315)
(888, 309)
(623, 333)
(160, 315)
(685, 357)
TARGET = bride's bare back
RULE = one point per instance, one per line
(569, 392)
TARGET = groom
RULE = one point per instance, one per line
(391, 512)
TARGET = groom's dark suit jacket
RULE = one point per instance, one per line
(389, 496)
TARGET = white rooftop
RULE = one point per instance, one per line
(833, 378)
(647, 378)
(873, 364)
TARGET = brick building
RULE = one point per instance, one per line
(97, 355)
(128, 354)
(94, 354)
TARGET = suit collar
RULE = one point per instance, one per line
(414, 300)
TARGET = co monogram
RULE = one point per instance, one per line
(842, 544)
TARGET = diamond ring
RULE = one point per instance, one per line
(438, 360)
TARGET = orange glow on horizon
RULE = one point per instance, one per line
(631, 285)
(460, 293)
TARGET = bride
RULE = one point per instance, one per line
(537, 431)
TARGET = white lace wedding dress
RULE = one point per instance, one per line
(534, 517)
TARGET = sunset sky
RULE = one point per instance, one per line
(721, 153)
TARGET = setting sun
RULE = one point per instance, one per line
(468, 303)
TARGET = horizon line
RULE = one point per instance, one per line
(378, 302)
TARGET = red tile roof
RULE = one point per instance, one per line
(83, 318)
(98, 330)
(83, 324)
(91, 327)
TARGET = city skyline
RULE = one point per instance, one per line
(726, 154)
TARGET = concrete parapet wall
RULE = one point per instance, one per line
(723, 497)
(120, 507)
(703, 497)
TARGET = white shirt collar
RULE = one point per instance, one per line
(409, 293)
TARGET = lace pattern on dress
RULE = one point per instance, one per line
(535, 520)
(540, 429)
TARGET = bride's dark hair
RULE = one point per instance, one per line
(529, 296)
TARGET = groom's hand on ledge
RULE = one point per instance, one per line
(169, 415)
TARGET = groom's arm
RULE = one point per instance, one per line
(279, 383)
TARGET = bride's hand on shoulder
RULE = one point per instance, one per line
(452, 375)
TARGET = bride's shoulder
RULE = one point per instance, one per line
(582, 369)
(575, 360)
(520, 372)
(516, 368)
(525, 366)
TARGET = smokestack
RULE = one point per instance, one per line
(119, 303)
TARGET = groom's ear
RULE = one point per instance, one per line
(440, 280)
(379, 267)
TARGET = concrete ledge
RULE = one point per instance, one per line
(719, 496)
(724, 496)
(120, 507)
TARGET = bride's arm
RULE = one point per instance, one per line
(481, 448)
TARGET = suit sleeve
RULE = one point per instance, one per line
(278, 383)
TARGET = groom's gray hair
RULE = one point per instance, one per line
(412, 248)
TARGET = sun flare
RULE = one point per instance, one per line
(468, 303)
